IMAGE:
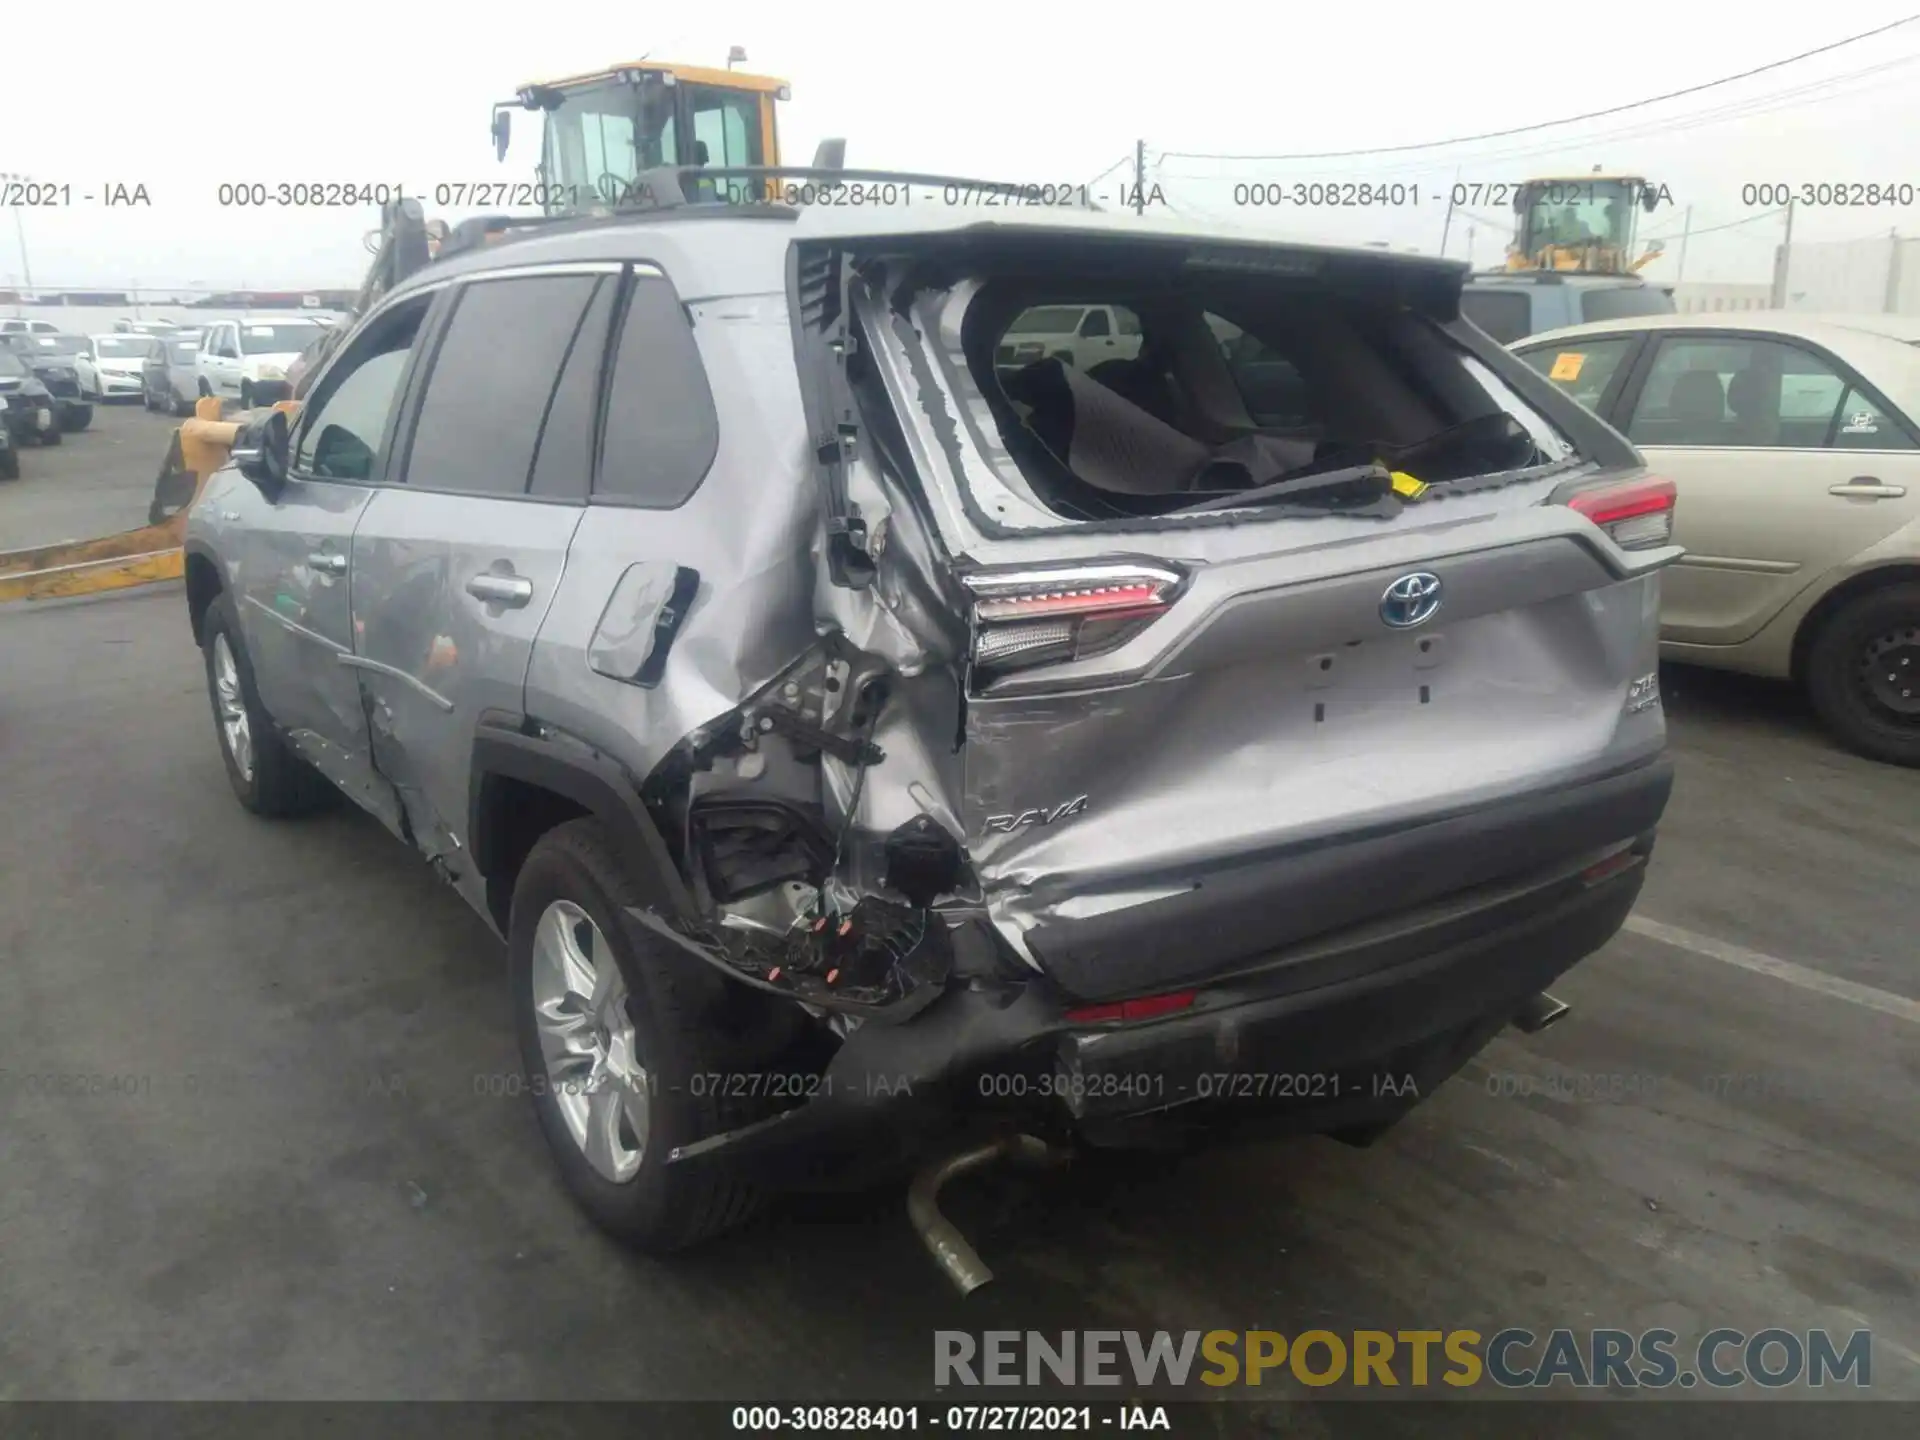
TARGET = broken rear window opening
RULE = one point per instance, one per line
(1235, 391)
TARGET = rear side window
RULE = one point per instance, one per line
(1582, 368)
(492, 377)
(661, 430)
(1506, 315)
(1739, 392)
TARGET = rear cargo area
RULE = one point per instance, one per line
(1267, 624)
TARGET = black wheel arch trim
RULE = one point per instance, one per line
(553, 760)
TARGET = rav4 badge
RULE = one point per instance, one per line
(1003, 824)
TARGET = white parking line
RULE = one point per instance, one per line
(1807, 978)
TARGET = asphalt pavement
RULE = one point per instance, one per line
(254, 1140)
(95, 482)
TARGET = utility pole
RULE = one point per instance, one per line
(1139, 177)
(1686, 229)
(1446, 226)
(1890, 299)
(1778, 299)
(19, 230)
(1471, 232)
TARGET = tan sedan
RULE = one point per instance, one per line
(1794, 441)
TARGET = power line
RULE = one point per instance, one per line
(1844, 86)
(1711, 229)
(1567, 120)
(1126, 159)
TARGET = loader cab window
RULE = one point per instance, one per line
(726, 127)
(603, 136)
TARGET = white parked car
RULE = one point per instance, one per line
(112, 367)
(1078, 335)
(29, 327)
(1794, 441)
(236, 355)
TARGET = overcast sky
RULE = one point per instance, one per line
(1030, 92)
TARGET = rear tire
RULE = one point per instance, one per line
(9, 464)
(1863, 674)
(51, 437)
(674, 1007)
(246, 395)
(267, 777)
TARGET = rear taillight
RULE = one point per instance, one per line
(1033, 617)
(1637, 514)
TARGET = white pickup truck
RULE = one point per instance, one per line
(1078, 335)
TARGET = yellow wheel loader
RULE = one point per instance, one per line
(1583, 223)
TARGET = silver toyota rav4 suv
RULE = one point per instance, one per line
(872, 751)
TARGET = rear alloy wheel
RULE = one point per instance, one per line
(1863, 674)
(623, 1044)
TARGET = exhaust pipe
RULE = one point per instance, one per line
(949, 1248)
(1538, 1012)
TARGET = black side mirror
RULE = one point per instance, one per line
(502, 132)
(261, 449)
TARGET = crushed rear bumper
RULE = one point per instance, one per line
(1341, 1033)
(1245, 909)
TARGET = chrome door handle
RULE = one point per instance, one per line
(327, 561)
(1867, 487)
(501, 589)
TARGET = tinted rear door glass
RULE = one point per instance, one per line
(492, 377)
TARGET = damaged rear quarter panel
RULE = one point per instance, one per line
(747, 530)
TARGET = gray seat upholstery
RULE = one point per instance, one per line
(1698, 398)
(1113, 445)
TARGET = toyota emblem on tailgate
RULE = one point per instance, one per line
(1411, 600)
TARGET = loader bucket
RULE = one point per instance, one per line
(143, 556)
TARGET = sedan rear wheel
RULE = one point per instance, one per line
(1863, 674)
